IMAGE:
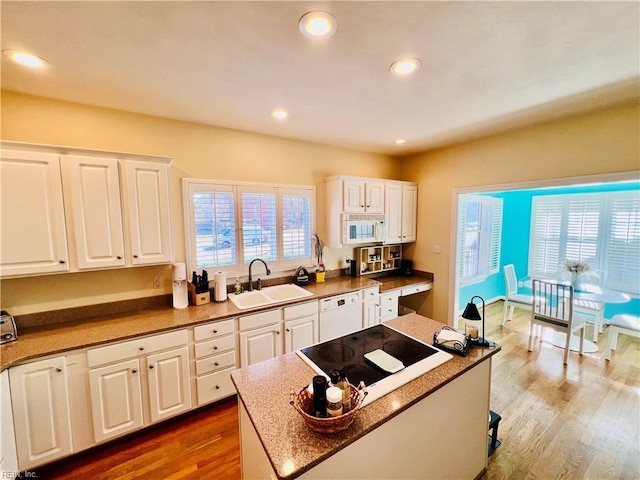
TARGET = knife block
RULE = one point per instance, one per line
(198, 298)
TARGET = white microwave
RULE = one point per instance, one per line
(362, 228)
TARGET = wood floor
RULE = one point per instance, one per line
(580, 421)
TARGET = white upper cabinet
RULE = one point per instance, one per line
(147, 208)
(401, 205)
(92, 187)
(363, 196)
(33, 235)
(75, 210)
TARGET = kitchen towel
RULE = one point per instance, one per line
(220, 286)
(383, 360)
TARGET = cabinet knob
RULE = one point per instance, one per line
(150, 367)
(135, 256)
(58, 370)
(119, 257)
(141, 349)
(134, 370)
(62, 261)
(277, 332)
(217, 387)
(215, 364)
(288, 329)
(215, 331)
(215, 347)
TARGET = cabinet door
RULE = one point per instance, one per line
(8, 455)
(371, 314)
(92, 186)
(148, 212)
(353, 196)
(116, 399)
(374, 196)
(169, 383)
(260, 344)
(40, 400)
(393, 210)
(300, 333)
(33, 237)
(409, 213)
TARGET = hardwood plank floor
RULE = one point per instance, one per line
(580, 421)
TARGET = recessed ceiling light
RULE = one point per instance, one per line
(400, 141)
(318, 24)
(26, 59)
(405, 66)
(279, 113)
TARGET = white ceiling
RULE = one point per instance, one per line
(486, 66)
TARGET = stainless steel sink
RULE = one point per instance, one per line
(269, 295)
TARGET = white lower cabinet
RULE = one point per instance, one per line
(116, 399)
(215, 359)
(144, 381)
(8, 455)
(41, 414)
(260, 344)
(300, 326)
(371, 307)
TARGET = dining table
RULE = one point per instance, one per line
(583, 294)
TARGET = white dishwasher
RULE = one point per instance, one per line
(340, 315)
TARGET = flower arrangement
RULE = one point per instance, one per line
(575, 267)
(318, 247)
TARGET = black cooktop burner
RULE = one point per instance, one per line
(347, 353)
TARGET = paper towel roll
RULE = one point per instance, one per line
(220, 286)
(179, 271)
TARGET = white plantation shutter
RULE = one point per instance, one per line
(496, 235)
(296, 207)
(546, 229)
(623, 246)
(602, 229)
(258, 221)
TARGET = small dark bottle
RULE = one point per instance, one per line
(320, 396)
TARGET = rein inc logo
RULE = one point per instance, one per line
(16, 474)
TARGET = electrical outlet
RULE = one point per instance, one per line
(157, 281)
(437, 249)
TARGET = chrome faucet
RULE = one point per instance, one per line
(251, 265)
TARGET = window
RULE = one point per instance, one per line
(602, 229)
(480, 232)
(228, 225)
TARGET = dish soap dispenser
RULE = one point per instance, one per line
(237, 289)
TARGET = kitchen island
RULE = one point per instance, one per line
(435, 426)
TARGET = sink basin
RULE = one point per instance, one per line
(269, 295)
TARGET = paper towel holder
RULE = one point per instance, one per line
(457, 347)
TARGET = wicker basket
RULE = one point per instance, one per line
(303, 403)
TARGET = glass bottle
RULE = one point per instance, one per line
(343, 384)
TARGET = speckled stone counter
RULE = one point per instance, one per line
(291, 447)
(101, 327)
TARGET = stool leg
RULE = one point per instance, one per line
(611, 344)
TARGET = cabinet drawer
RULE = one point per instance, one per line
(389, 299)
(215, 386)
(371, 294)
(217, 345)
(214, 329)
(217, 362)
(300, 310)
(260, 319)
(421, 287)
(134, 348)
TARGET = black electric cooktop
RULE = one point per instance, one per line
(347, 353)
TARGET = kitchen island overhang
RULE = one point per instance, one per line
(433, 426)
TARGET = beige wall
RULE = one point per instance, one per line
(605, 141)
(198, 151)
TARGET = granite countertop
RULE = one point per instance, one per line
(290, 445)
(101, 328)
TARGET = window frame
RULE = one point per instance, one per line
(239, 267)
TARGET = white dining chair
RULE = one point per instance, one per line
(512, 298)
(553, 307)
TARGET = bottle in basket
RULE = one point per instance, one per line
(320, 396)
(343, 384)
(334, 401)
